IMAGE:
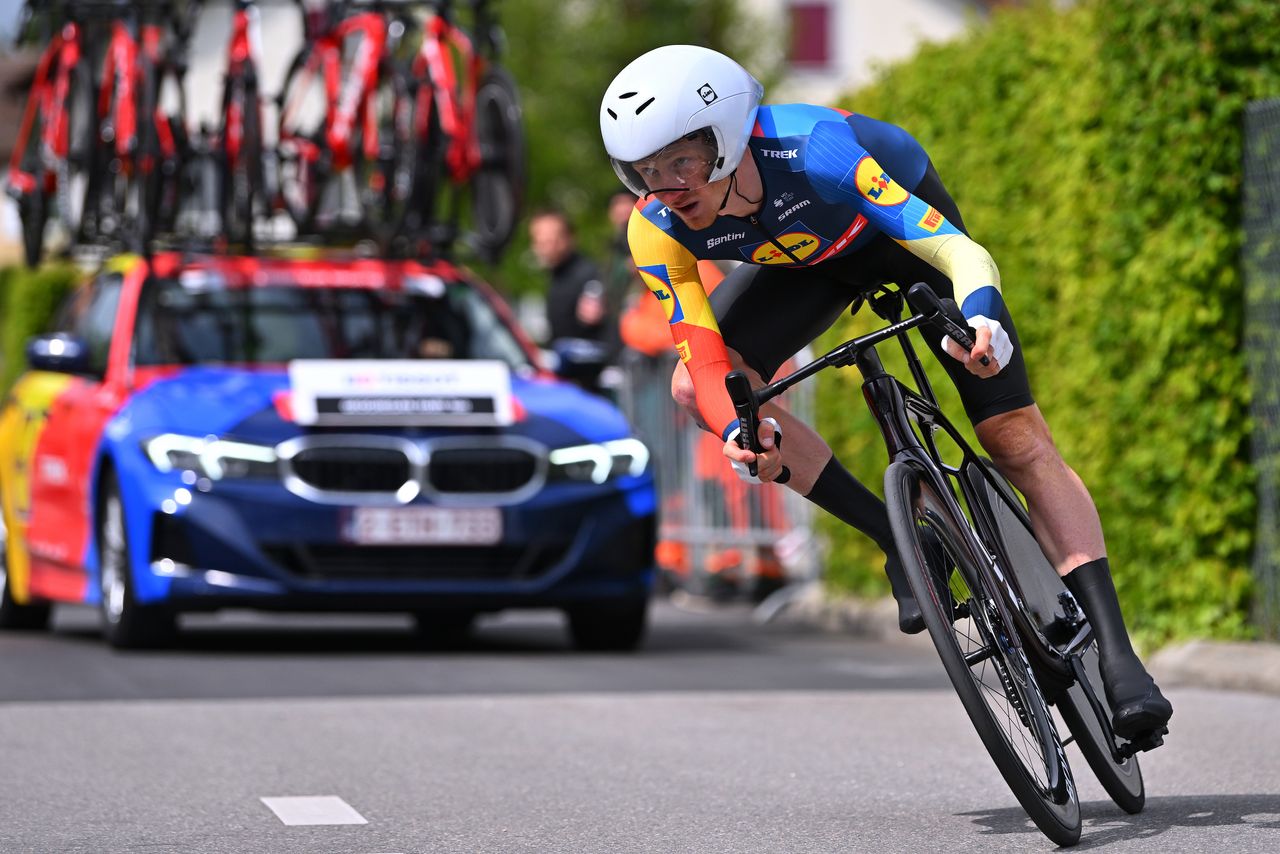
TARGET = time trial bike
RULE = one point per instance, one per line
(1012, 639)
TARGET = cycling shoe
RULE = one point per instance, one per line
(1137, 706)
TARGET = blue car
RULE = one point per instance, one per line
(313, 434)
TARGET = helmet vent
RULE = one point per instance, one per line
(628, 95)
(612, 114)
(640, 109)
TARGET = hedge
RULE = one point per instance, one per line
(1096, 152)
(28, 301)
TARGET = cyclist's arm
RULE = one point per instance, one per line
(844, 173)
(671, 273)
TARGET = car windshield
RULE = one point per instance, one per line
(275, 324)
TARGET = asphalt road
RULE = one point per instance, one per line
(719, 737)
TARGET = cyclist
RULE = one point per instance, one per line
(821, 205)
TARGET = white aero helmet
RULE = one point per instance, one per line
(671, 92)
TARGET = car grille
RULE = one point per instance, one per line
(417, 562)
(339, 469)
(379, 469)
(485, 470)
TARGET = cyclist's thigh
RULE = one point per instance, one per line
(767, 314)
(1008, 390)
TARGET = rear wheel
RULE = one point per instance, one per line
(608, 625)
(12, 615)
(242, 171)
(386, 166)
(1122, 780)
(126, 623)
(981, 655)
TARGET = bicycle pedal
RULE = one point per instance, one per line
(1144, 742)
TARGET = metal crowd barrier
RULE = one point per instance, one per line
(718, 536)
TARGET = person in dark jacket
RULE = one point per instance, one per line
(576, 305)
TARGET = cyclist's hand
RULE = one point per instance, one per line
(768, 463)
(990, 340)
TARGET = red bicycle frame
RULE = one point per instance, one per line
(50, 101)
(122, 76)
(455, 97)
(240, 56)
(348, 101)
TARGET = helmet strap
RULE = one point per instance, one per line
(733, 188)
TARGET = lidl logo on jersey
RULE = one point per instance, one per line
(876, 186)
(798, 244)
(658, 279)
(932, 220)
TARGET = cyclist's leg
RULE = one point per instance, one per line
(1012, 429)
(764, 325)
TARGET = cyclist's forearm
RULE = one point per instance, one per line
(970, 267)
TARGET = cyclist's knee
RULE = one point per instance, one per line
(1018, 440)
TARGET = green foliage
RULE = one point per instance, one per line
(1096, 152)
(28, 301)
(563, 54)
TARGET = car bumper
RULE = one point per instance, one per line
(269, 549)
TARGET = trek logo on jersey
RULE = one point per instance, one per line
(725, 238)
(683, 350)
(876, 186)
(781, 154)
(932, 220)
(798, 244)
(789, 211)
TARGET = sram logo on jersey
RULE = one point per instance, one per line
(876, 186)
(725, 238)
(789, 211)
(798, 245)
(781, 154)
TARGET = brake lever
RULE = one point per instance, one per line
(748, 410)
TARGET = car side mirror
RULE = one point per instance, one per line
(61, 352)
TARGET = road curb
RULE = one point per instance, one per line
(1238, 666)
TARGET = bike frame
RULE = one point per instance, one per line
(452, 96)
(242, 51)
(347, 101)
(49, 99)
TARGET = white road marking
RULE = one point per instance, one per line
(321, 809)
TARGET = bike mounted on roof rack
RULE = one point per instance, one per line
(398, 132)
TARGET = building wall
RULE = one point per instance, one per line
(866, 34)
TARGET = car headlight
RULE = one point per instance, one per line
(211, 457)
(599, 462)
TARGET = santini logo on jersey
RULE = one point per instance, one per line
(784, 154)
(725, 238)
(789, 211)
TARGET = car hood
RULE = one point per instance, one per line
(241, 403)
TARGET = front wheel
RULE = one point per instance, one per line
(126, 623)
(980, 651)
(608, 626)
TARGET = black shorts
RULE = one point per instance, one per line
(767, 314)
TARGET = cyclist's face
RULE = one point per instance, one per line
(677, 175)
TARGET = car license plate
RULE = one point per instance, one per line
(424, 526)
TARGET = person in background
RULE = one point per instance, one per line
(576, 306)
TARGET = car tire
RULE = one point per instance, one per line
(443, 629)
(30, 618)
(608, 625)
(126, 624)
